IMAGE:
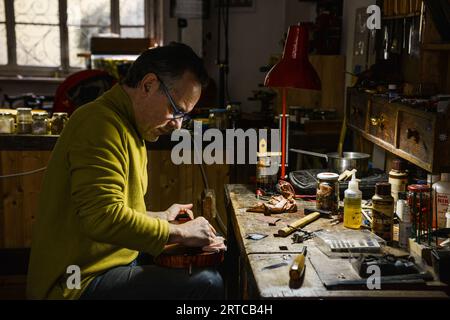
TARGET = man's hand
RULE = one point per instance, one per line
(177, 209)
(194, 233)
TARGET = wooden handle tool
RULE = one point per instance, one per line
(285, 232)
(297, 268)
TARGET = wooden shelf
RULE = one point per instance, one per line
(403, 16)
(392, 149)
(436, 47)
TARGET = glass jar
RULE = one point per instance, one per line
(218, 119)
(419, 201)
(6, 122)
(24, 120)
(40, 123)
(59, 120)
(327, 194)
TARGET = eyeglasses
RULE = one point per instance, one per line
(177, 113)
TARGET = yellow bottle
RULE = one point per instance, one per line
(352, 205)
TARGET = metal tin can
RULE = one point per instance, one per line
(6, 122)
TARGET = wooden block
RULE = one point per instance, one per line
(420, 251)
(209, 205)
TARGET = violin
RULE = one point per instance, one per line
(178, 256)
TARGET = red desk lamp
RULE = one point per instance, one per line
(293, 71)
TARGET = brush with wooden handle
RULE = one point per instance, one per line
(297, 268)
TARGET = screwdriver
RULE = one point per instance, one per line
(297, 268)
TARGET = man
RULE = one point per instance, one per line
(92, 219)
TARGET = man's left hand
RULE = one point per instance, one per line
(177, 209)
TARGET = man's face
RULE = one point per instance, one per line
(154, 112)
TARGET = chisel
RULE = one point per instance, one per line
(297, 268)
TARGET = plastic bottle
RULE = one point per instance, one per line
(441, 199)
(404, 215)
(383, 211)
(352, 205)
(447, 216)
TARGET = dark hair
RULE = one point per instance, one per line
(169, 63)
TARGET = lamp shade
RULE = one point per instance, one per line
(294, 70)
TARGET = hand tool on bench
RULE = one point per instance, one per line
(297, 269)
(311, 215)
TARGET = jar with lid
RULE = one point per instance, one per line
(58, 122)
(6, 122)
(327, 194)
(392, 92)
(398, 178)
(218, 119)
(383, 211)
(40, 123)
(419, 201)
(24, 120)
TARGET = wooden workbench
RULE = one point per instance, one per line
(246, 258)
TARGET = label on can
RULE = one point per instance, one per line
(442, 202)
(382, 219)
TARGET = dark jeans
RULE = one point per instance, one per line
(146, 281)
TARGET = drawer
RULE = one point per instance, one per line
(358, 110)
(382, 121)
(416, 136)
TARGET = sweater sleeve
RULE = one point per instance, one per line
(98, 164)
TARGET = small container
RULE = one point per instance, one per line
(24, 120)
(404, 215)
(327, 194)
(383, 211)
(40, 123)
(441, 200)
(267, 169)
(447, 216)
(6, 122)
(59, 120)
(352, 205)
(392, 92)
(419, 202)
(398, 178)
(218, 119)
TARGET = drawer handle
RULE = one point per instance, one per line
(413, 133)
(378, 122)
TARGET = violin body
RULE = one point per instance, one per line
(177, 256)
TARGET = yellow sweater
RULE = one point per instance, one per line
(91, 211)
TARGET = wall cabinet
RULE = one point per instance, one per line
(421, 137)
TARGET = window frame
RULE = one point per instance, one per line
(153, 28)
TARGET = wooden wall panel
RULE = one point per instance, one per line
(331, 71)
(169, 183)
(19, 196)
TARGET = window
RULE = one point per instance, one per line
(3, 53)
(39, 37)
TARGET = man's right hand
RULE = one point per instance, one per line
(194, 233)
